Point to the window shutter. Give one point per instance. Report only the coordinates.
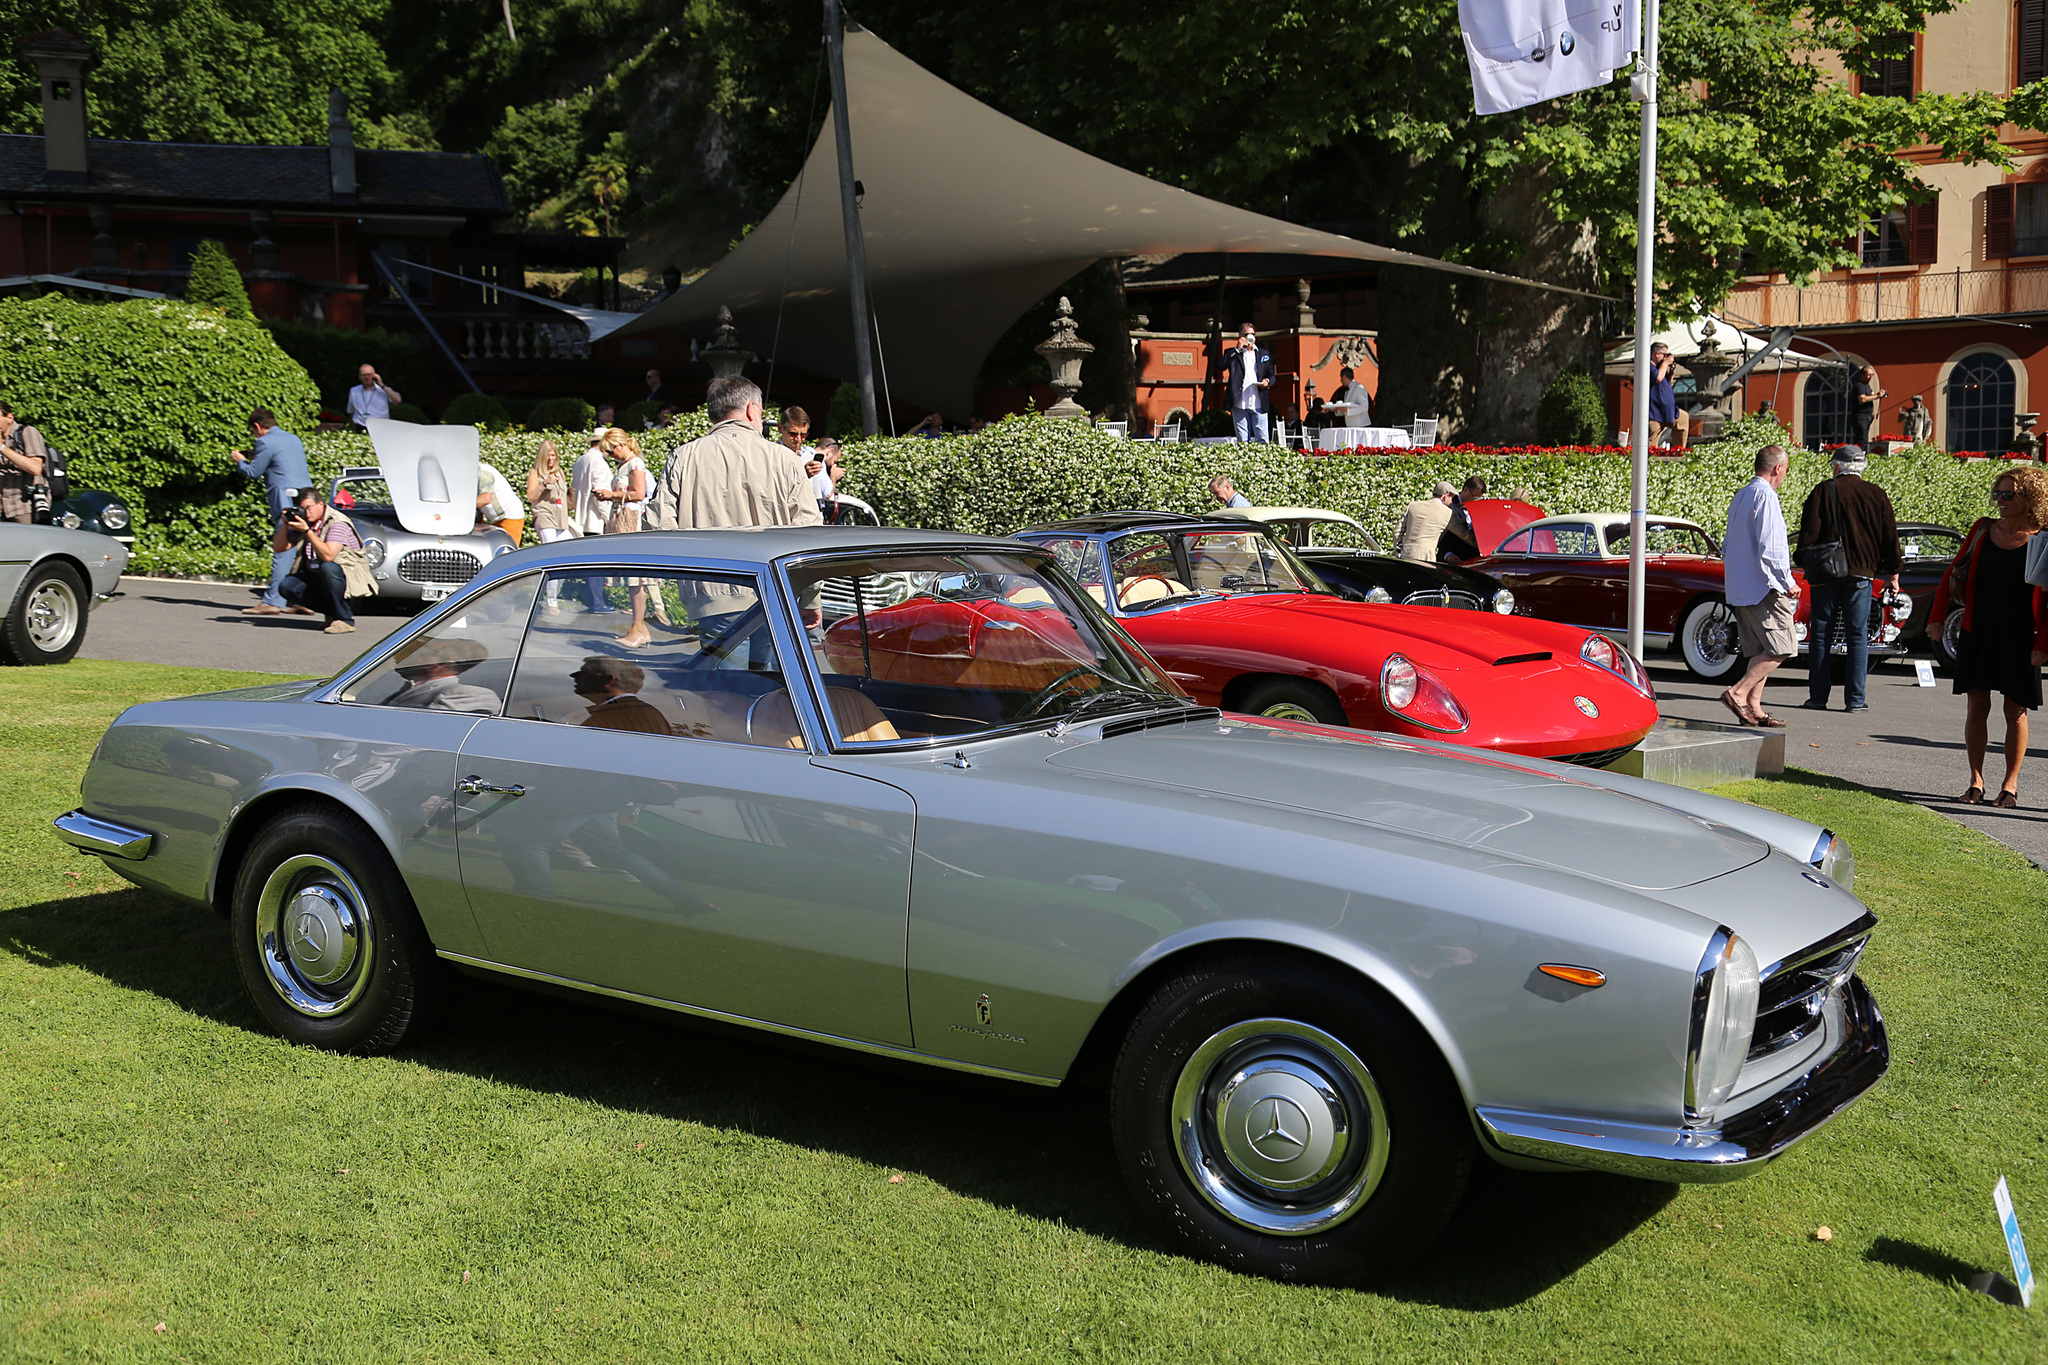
(1922, 220)
(2033, 53)
(1998, 222)
(1893, 76)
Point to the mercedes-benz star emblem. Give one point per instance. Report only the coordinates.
(1565, 43)
(1585, 705)
(307, 932)
(1277, 1129)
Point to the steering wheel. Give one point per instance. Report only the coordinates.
(1045, 693)
(1123, 592)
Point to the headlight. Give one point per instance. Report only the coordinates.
(1901, 607)
(1414, 694)
(1602, 652)
(1504, 602)
(1378, 594)
(114, 517)
(1833, 860)
(1723, 1020)
(373, 550)
(1799, 632)
(70, 521)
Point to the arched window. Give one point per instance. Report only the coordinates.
(1980, 402)
(1826, 415)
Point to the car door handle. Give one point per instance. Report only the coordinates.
(476, 786)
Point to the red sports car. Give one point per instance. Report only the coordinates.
(1241, 623)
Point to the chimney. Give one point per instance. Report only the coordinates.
(341, 147)
(61, 61)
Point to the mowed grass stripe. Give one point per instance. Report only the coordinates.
(619, 1188)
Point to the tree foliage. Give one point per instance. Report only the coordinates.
(1573, 412)
(208, 70)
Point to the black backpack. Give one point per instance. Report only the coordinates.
(56, 472)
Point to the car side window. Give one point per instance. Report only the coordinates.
(709, 669)
(1145, 569)
(1573, 538)
(1520, 543)
(1082, 561)
(463, 662)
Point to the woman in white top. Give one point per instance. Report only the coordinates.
(626, 499)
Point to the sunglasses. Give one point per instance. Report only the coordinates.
(2004, 494)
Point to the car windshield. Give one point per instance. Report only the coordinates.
(362, 495)
(1929, 543)
(1318, 533)
(1152, 569)
(954, 645)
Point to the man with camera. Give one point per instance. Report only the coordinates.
(371, 397)
(280, 462)
(316, 536)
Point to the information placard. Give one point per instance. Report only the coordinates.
(2009, 1224)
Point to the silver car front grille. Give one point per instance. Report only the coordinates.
(439, 566)
(1442, 597)
(1792, 995)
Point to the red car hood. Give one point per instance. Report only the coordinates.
(1431, 636)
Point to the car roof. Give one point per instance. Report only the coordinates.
(1605, 520)
(754, 545)
(1288, 514)
(1116, 523)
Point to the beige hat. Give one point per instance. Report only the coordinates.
(1442, 489)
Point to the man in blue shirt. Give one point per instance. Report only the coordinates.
(280, 462)
(1760, 585)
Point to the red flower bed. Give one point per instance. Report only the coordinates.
(1479, 450)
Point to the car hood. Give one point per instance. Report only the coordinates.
(1470, 639)
(1478, 801)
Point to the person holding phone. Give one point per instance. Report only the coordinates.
(371, 397)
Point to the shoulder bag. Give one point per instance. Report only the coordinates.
(2037, 559)
(1828, 561)
(355, 564)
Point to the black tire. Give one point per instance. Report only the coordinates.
(1706, 640)
(1293, 699)
(46, 622)
(355, 972)
(1362, 1205)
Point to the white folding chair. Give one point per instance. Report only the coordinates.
(1422, 431)
(1170, 432)
(1120, 429)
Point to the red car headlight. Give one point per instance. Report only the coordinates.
(1414, 694)
(1602, 652)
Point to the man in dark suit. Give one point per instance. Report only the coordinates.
(612, 687)
(1247, 379)
(1860, 516)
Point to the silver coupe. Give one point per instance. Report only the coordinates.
(918, 795)
(50, 579)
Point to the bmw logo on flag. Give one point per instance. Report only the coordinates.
(1565, 43)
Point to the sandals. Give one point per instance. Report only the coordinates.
(2007, 800)
(1741, 716)
(1766, 721)
(1973, 797)
(638, 639)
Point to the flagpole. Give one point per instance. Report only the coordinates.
(1646, 230)
(849, 212)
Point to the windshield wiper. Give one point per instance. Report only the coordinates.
(1115, 697)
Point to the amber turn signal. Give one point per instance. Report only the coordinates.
(1578, 976)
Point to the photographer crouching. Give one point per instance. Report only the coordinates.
(327, 547)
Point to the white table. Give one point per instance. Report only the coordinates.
(1214, 441)
(1343, 438)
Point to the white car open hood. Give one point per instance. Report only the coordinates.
(431, 472)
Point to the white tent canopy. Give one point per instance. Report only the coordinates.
(969, 218)
(1686, 336)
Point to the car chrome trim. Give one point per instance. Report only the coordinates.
(769, 1026)
(1745, 1142)
(90, 834)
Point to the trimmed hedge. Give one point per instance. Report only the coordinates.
(213, 282)
(332, 355)
(1027, 469)
(1571, 411)
(148, 397)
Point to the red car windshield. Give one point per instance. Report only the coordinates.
(1154, 568)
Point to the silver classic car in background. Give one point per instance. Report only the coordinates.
(411, 566)
(1319, 970)
(51, 578)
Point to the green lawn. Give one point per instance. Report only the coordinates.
(552, 1182)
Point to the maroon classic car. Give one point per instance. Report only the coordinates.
(1574, 569)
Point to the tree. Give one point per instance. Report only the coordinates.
(215, 282)
(604, 180)
(208, 70)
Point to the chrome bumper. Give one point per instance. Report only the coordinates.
(89, 834)
(1748, 1140)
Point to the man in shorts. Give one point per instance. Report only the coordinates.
(1761, 589)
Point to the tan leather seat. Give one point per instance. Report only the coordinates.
(771, 720)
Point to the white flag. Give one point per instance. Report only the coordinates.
(1523, 52)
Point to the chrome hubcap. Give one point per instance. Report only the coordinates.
(52, 615)
(1280, 1127)
(1952, 633)
(1288, 710)
(314, 937)
(1714, 637)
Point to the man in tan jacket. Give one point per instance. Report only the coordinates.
(732, 475)
(1423, 523)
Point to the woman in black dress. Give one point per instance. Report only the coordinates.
(2005, 625)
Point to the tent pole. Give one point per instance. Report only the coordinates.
(849, 212)
(1646, 228)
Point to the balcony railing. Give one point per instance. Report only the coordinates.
(1894, 298)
